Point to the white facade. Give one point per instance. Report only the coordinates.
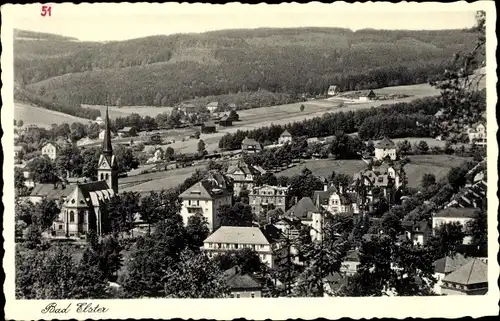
(206, 207)
(50, 150)
(381, 153)
(477, 135)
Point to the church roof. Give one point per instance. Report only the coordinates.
(107, 148)
(89, 194)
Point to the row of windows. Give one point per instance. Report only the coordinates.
(234, 246)
(102, 176)
(238, 295)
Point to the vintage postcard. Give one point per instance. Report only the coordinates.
(249, 161)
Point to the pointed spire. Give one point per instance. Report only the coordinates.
(107, 149)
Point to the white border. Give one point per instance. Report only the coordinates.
(260, 309)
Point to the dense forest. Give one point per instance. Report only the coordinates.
(165, 70)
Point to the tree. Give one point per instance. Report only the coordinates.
(422, 147)
(43, 170)
(404, 147)
(125, 159)
(69, 160)
(446, 239)
(302, 107)
(151, 256)
(120, 212)
(106, 255)
(195, 276)
(56, 276)
(370, 147)
(428, 180)
(45, 212)
(266, 179)
(201, 147)
(78, 131)
(386, 267)
(340, 179)
(478, 229)
(457, 177)
(197, 134)
(237, 215)
(169, 153)
(158, 206)
(20, 123)
(196, 231)
(233, 115)
(246, 259)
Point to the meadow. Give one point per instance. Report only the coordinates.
(41, 117)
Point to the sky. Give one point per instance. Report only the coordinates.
(92, 23)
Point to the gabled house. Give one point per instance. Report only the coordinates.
(308, 214)
(285, 137)
(242, 285)
(128, 131)
(205, 198)
(250, 146)
(225, 121)
(385, 148)
(477, 134)
(334, 200)
(417, 232)
(208, 127)
(243, 176)
(51, 149)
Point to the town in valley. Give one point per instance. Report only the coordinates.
(302, 162)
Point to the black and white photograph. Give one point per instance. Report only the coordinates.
(232, 152)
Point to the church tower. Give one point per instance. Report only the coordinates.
(106, 168)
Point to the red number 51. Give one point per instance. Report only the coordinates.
(46, 10)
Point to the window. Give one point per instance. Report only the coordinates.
(197, 203)
(253, 295)
(189, 202)
(235, 246)
(71, 217)
(238, 295)
(261, 246)
(232, 296)
(107, 176)
(60, 227)
(102, 176)
(218, 245)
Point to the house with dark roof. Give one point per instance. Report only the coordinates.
(385, 148)
(285, 137)
(417, 232)
(187, 108)
(243, 175)
(127, 131)
(367, 95)
(242, 285)
(51, 150)
(205, 197)
(445, 266)
(335, 200)
(469, 279)
(334, 283)
(266, 241)
(208, 127)
(225, 121)
(455, 214)
(308, 214)
(56, 192)
(250, 145)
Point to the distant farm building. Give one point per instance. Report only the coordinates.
(285, 137)
(367, 96)
(208, 127)
(188, 108)
(333, 90)
(249, 145)
(226, 121)
(127, 131)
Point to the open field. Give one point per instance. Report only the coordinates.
(439, 165)
(42, 117)
(156, 181)
(325, 167)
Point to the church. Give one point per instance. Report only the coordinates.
(81, 207)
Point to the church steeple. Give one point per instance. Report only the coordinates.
(107, 148)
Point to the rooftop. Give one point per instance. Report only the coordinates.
(385, 143)
(449, 264)
(238, 235)
(473, 272)
(303, 209)
(462, 212)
